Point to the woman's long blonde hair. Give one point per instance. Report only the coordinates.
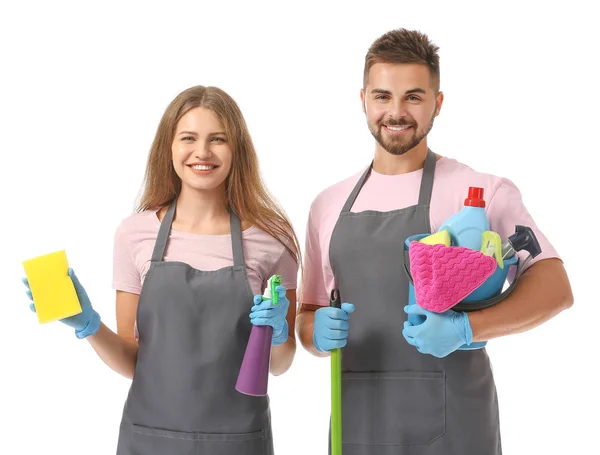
(246, 194)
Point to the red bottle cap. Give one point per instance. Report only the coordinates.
(475, 198)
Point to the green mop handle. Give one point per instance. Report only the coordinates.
(336, 387)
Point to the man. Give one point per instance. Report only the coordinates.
(409, 389)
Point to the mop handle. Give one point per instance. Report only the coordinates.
(336, 387)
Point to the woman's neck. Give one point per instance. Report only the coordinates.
(201, 212)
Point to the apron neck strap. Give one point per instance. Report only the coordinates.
(427, 179)
(424, 192)
(361, 181)
(165, 228)
(236, 240)
(163, 233)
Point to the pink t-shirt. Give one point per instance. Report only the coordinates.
(136, 235)
(504, 208)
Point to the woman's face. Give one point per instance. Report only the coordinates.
(202, 154)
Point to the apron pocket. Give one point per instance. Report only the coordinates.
(232, 443)
(393, 408)
(152, 441)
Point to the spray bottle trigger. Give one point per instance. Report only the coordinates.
(270, 292)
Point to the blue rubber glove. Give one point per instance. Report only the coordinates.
(85, 323)
(330, 328)
(265, 313)
(440, 334)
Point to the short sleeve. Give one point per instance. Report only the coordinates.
(313, 290)
(287, 267)
(506, 210)
(126, 277)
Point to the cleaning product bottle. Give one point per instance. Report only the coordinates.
(467, 226)
(253, 377)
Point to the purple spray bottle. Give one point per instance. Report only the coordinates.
(253, 377)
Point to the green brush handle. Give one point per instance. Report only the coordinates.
(336, 388)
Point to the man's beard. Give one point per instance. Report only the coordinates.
(400, 145)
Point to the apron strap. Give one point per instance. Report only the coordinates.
(163, 233)
(350, 201)
(165, 228)
(427, 179)
(424, 192)
(236, 240)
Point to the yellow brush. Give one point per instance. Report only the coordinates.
(51, 287)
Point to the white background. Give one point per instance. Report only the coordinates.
(83, 86)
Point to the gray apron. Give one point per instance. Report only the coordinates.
(396, 400)
(194, 326)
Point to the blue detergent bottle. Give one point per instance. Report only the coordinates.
(466, 229)
(467, 226)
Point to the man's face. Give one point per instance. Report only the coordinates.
(400, 105)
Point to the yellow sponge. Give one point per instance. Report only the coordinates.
(438, 238)
(51, 287)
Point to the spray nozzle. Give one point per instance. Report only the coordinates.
(525, 239)
(270, 290)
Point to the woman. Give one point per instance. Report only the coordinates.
(185, 272)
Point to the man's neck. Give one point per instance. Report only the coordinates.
(388, 164)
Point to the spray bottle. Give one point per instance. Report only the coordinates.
(253, 377)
